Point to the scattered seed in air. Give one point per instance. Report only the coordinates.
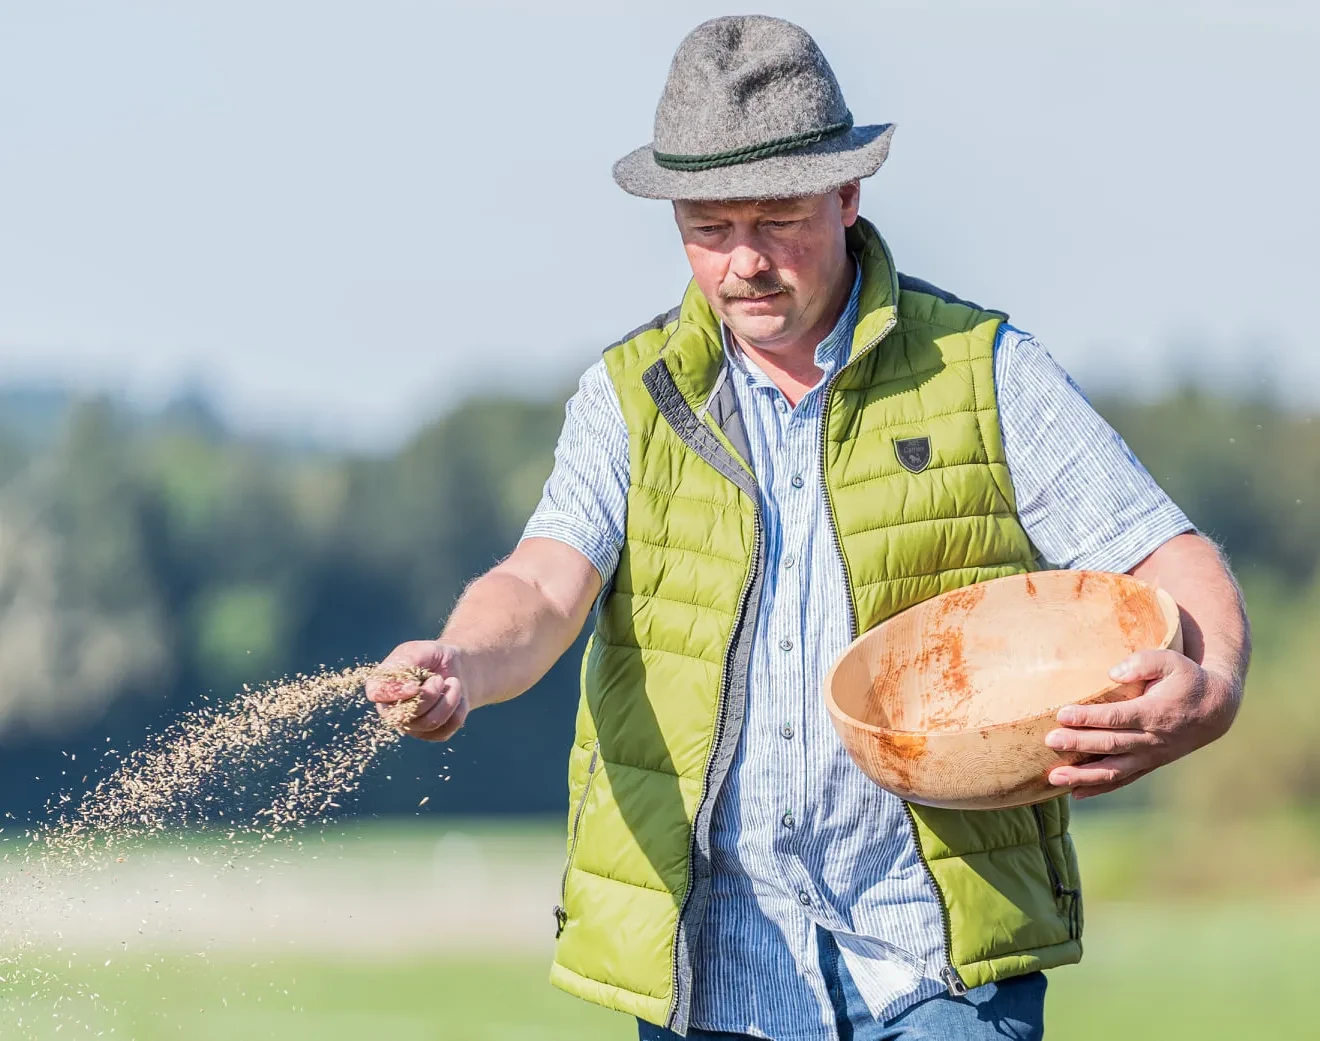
(236, 753)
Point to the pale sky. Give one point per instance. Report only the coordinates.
(337, 218)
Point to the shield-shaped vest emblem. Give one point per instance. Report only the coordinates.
(913, 453)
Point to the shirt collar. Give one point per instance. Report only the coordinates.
(831, 352)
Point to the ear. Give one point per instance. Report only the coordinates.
(849, 201)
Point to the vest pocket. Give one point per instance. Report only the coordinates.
(561, 915)
(1070, 900)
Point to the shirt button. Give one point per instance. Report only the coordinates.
(804, 898)
(786, 731)
(790, 560)
(785, 644)
(797, 481)
(781, 404)
(787, 819)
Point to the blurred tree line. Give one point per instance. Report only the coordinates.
(146, 560)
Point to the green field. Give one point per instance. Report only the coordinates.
(1229, 967)
(1205, 974)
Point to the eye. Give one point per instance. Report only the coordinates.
(779, 223)
(707, 229)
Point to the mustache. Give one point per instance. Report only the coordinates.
(748, 289)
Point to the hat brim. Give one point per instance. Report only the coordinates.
(814, 170)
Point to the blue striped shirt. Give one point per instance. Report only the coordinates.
(801, 839)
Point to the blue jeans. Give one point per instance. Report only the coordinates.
(1011, 1010)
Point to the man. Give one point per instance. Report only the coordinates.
(807, 445)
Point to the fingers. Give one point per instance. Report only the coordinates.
(1112, 770)
(385, 691)
(1129, 738)
(419, 681)
(1100, 741)
(1118, 715)
(407, 707)
(1100, 789)
(417, 656)
(1147, 665)
(1136, 713)
(442, 710)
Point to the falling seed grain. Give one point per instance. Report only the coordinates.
(232, 752)
(162, 784)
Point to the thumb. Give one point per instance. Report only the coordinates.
(430, 656)
(1146, 665)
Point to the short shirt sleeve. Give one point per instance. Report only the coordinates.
(1082, 496)
(584, 503)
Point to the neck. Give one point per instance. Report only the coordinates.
(792, 367)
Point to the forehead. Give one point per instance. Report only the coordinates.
(743, 209)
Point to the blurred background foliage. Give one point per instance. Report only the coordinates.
(148, 559)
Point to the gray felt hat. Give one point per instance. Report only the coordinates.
(751, 110)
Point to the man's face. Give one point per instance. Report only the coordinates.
(770, 269)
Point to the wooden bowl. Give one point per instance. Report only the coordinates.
(949, 702)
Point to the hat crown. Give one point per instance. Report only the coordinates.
(741, 81)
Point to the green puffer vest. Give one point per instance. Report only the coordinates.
(664, 676)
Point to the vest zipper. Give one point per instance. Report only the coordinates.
(824, 486)
(561, 916)
(694, 433)
(949, 973)
(1061, 891)
(720, 721)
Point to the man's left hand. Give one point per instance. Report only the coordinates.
(1183, 707)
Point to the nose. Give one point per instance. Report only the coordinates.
(746, 261)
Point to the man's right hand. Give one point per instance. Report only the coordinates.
(442, 703)
(505, 632)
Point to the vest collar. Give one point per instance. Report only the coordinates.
(694, 354)
(878, 307)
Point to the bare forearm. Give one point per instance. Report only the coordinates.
(515, 621)
(1216, 634)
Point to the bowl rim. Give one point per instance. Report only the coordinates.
(1168, 607)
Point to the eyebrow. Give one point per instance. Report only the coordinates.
(785, 209)
(697, 213)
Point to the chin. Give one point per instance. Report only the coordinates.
(758, 328)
